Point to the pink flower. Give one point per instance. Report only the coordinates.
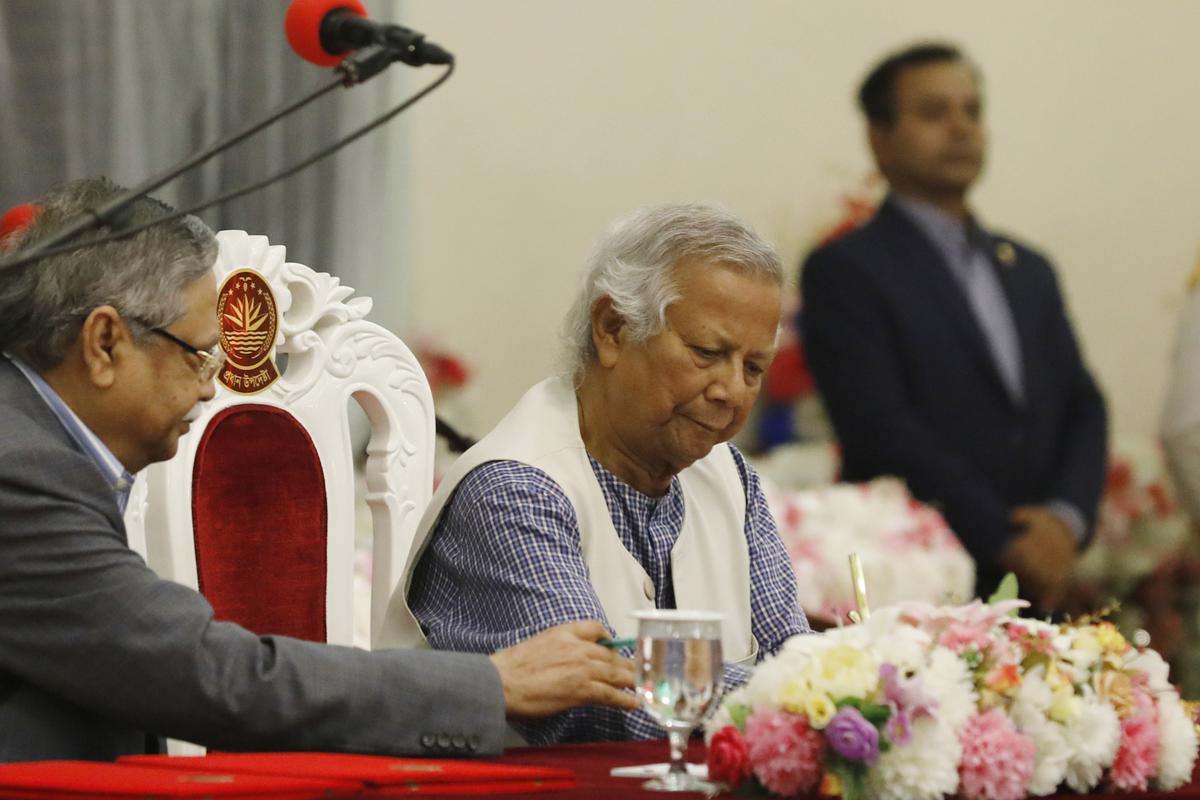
(962, 626)
(906, 694)
(997, 759)
(785, 753)
(898, 728)
(1138, 753)
(958, 636)
(728, 757)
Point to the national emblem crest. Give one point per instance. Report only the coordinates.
(248, 321)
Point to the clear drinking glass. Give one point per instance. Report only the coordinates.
(679, 676)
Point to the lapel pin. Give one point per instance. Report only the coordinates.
(1007, 254)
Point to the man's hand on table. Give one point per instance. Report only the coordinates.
(563, 667)
(1042, 554)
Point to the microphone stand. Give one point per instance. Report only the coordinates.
(351, 72)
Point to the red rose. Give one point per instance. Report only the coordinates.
(728, 758)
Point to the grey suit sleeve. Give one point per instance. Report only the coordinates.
(83, 618)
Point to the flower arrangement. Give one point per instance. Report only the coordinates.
(923, 702)
(907, 550)
(1139, 524)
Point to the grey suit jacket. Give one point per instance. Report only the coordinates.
(99, 656)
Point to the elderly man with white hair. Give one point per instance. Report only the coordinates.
(611, 488)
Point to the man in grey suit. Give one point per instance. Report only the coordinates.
(107, 350)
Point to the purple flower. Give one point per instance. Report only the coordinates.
(851, 736)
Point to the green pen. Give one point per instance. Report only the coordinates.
(617, 644)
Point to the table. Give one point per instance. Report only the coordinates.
(592, 762)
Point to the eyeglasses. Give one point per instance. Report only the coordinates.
(211, 361)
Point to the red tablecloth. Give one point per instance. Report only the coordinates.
(592, 762)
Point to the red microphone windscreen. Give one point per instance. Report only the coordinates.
(18, 218)
(303, 27)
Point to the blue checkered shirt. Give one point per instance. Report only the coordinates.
(505, 562)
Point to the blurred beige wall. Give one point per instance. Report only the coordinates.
(563, 115)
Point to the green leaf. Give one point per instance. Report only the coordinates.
(875, 713)
(1007, 590)
(852, 776)
(738, 714)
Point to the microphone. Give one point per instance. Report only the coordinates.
(313, 40)
(324, 31)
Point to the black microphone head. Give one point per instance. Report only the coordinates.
(433, 54)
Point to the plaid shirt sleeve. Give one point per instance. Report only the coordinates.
(505, 562)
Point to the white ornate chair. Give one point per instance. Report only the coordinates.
(257, 508)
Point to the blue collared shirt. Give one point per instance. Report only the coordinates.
(506, 562)
(964, 246)
(114, 472)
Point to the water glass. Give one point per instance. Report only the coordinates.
(679, 676)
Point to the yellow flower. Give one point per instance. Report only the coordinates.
(1086, 642)
(1065, 706)
(793, 695)
(819, 709)
(1117, 688)
(831, 785)
(1054, 677)
(1110, 638)
(843, 671)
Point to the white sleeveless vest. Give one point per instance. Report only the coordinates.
(710, 562)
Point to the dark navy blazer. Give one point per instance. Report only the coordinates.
(913, 390)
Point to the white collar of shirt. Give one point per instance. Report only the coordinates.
(110, 467)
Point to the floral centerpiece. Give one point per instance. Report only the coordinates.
(908, 551)
(923, 702)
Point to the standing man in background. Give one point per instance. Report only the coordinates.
(944, 352)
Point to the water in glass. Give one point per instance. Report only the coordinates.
(679, 678)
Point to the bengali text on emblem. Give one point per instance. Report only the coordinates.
(247, 317)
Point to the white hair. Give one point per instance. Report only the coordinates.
(634, 264)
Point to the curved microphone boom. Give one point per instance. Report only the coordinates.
(305, 26)
(326, 31)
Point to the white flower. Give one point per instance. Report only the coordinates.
(1177, 743)
(1151, 663)
(904, 645)
(1037, 626)
(1084, 652)
(1092, 738)
(907, 551)
(1028, 712)
(768, 679)
(949, 680)
(1034, 697)
(1051, 760)
(842, 671)
(925, 769)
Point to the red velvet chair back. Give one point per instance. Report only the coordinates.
(260, 507)
(260, 522)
